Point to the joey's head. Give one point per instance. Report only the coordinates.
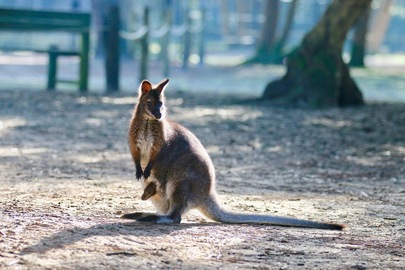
(151, 99)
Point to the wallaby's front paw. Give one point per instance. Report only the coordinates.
(146, 173)
(138, 169)
(138, 174)
(148, 170)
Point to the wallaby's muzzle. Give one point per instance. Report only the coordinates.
(157, 115)
(156, 112)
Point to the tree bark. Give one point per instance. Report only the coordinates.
(316, 74)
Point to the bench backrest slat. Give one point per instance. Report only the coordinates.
(35, 20)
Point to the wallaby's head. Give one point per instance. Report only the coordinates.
(151, 99)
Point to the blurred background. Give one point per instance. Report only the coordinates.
(201, 45)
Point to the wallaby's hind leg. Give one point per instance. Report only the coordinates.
(177, 206)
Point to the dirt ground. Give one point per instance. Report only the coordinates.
(66, 176)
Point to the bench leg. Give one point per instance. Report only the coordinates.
(84, 63)
(52, 67)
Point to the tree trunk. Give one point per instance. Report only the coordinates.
(268, 34)
(316, 74)
(269, 28)
(111, 47)
(97, 15)
(277, 54)
(379, 26)
(359, 41)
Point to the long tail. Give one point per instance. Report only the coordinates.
(215, 212)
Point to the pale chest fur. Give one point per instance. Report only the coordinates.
(144, 142)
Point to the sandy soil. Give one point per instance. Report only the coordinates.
(66, 176)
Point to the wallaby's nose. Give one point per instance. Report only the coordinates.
(157, 115)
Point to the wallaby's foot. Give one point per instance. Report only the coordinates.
(135, 215)
(152, 218)
(160, 219)
(149, 191)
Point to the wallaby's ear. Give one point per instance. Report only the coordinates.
(162, 85)
(145, 86)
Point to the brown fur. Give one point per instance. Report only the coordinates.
(145, 121)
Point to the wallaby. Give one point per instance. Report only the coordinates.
(178, 174)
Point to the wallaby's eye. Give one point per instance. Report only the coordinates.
(148, 103)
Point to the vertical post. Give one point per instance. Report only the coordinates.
(165, 46)
(145, 47)
(84, 62)
(52, 66)
(112, 54)
(75, 4)
(187, 41)
(201, 49)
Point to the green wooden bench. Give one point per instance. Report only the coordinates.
(45, 21)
